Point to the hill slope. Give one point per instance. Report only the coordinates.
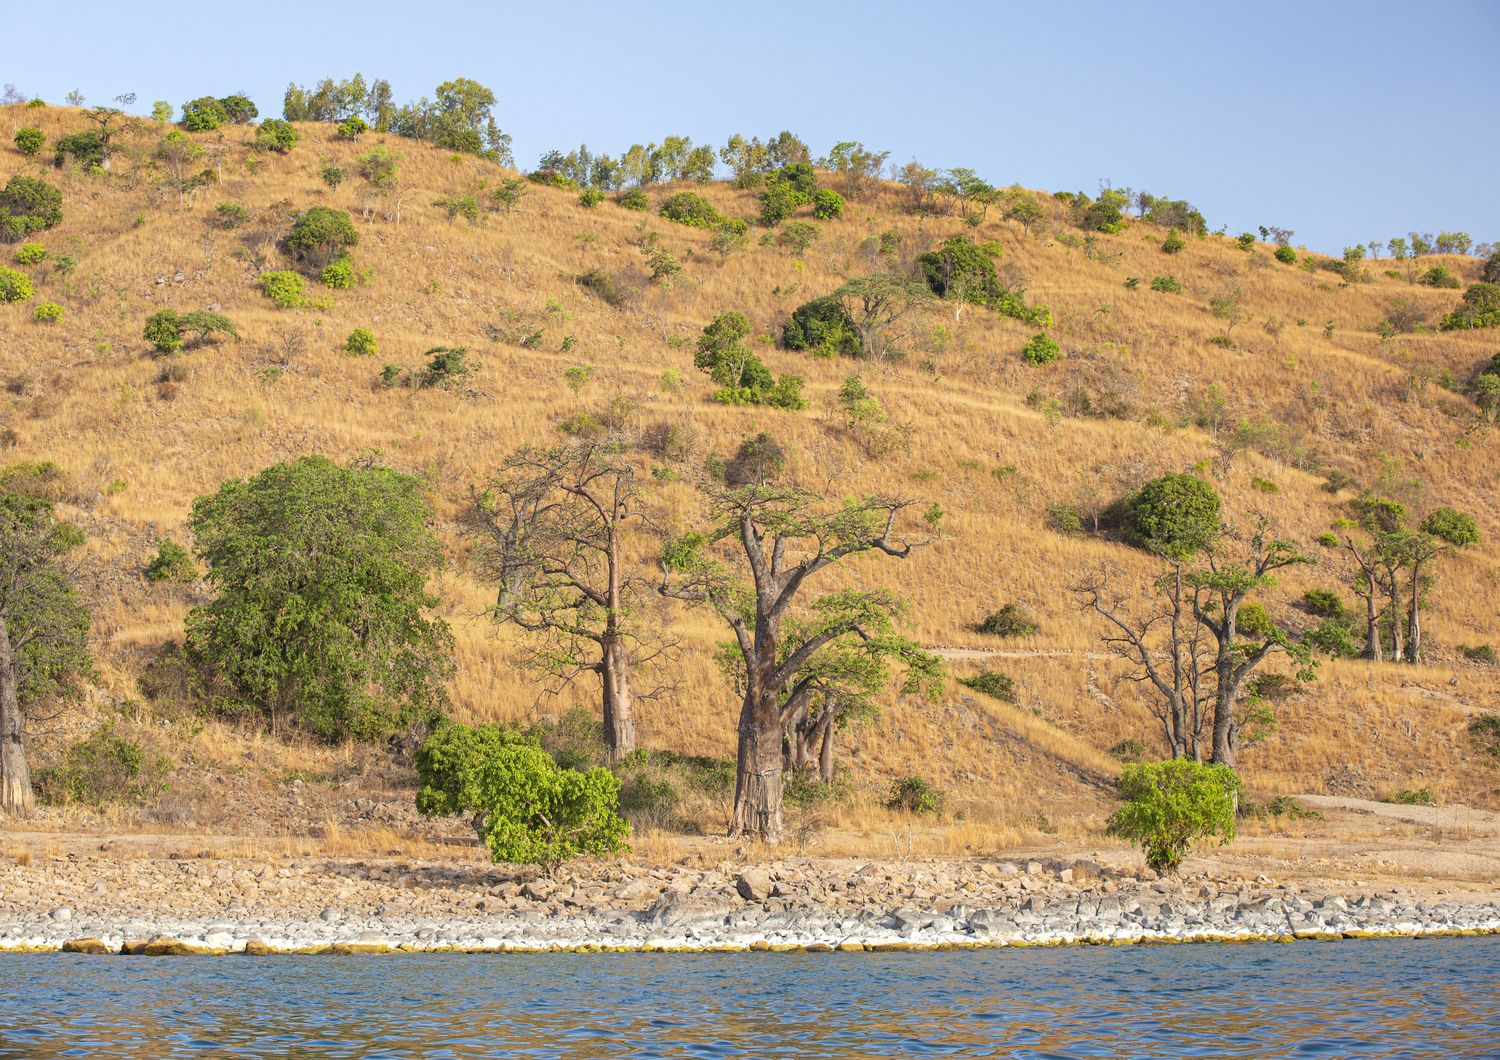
(993, 439)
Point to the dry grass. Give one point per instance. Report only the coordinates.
(84, 394)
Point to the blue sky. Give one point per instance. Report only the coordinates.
(1345, 121)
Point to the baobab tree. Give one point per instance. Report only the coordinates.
(783, 536)
(553, 526)
(43, 629)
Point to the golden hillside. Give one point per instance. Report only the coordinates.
(993, 439)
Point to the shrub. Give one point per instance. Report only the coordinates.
(87, 149)
(1064, 518)
(1177, 515)
(799, 235)
(780, 201)
(1286, 255)
(690, 208)
(1173, 243)
(589, 198)
(1325, 603)
(276, 135)
(15, 286)
(742, 377)
(47, 313)
(446, 367)
(1170, 804)
(28, 205)
(29, 141)
(1012, 620)
(915, 795)
(1041, 349)
(1411, 797)
(204, 114)
(106, 767)
(1439, 276)
(1480, 308)
(1480, 653)
(361, 343)
(647, 801)
(239, 110)
(340, 274)
(828, 205)
(230, 214)
(824, 327)
(757, 461)
(1484, 734)
(456, 206)
(634, 199)
(1246, 241)
(320, 235)
(606, 285)
(172, 563)
(332, 175)
(163, 332)
(352, 127)
(527, 809)
(1129, 750)
(1166, 285)
(284, 288)
(992, 683)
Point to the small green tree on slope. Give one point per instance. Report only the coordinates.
(1170, 804)
(528, 810)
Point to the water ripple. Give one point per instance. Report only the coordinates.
(1374, 998)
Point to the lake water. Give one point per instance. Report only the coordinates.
(1387, 998)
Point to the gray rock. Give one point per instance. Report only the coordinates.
(754, 885)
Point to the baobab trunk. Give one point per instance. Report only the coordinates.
(15, 777)
(825, 754)
(757, 782)
(1414, 631)
(1373, 650)
(619, 707)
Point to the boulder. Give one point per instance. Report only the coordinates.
(754, 885)
(85, 946)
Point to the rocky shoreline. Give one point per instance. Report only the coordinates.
(204, 905)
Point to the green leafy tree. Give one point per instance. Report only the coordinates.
(784, 537)
(743, 377)
(1170, 804)
(168, 331)
(29, 141)
(43, 624)
(828, 205)
(321, 234)
(277, 135)
(527, 809)
(1175, 515)
(204, 114)
(320, 617)
(28, 205)
(875, 304)
(824, 327)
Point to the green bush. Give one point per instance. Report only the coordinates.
(1440, 276)
(1041, 349)
(456, 206)
(527, 810)
(87, 149)
(1129, 750)
(634, 199)
(230, 214)
(29, 141)
(320, 235)
(162, 331)
(742, 377)
(172, 563)
(1480, 653)
(828, 205)
(1173, 243)
(239, 110)
(1286, 255)
(276, 135)
(1064, 518)
(799, 235)
(1480, 308)
(47, 313)
(1411, 797)
(824, 327)
(447, 366)
(332, 175)
(28, 205)
(780, 201)
(1170, 804)
(993, 683)
(1176, 514)
(352, 127)
(1012, 620)
(915, 795)
(340, 275)
(361, 343)
(690, 208)
(589, 198)
(1246, 241)
(284, 288)
(31, 254)
(167, 331)
(204, 114)
(1325, 603)
(106, 767)
(1166, 285)
(15, 286)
